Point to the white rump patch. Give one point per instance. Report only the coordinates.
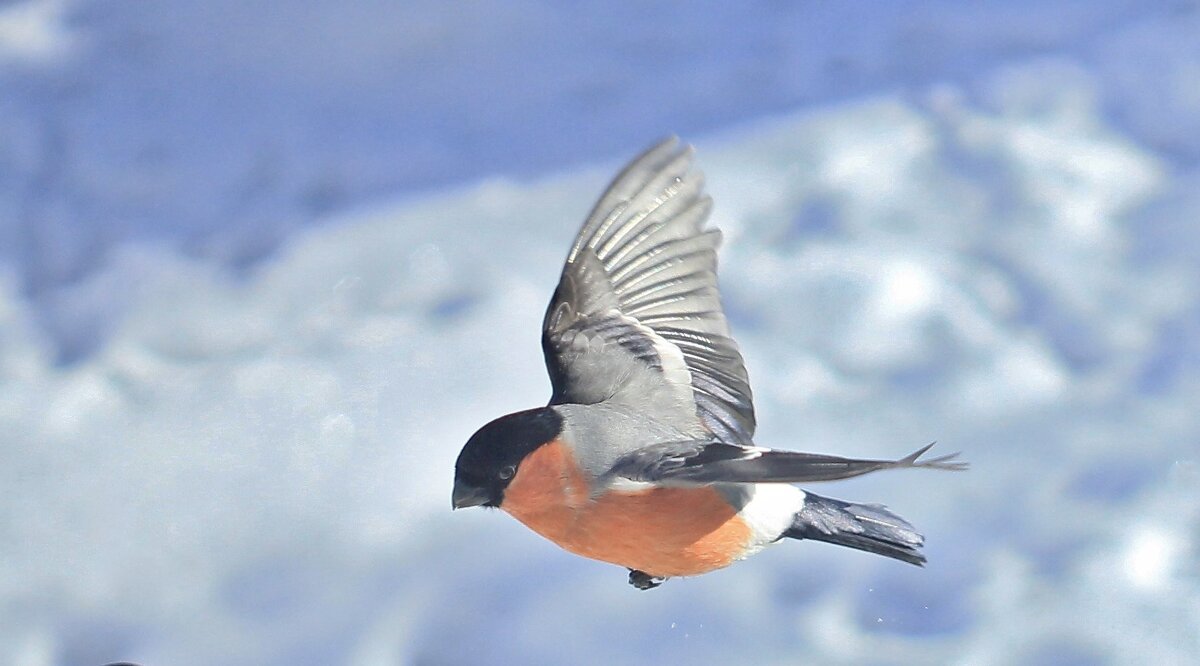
(769, 512)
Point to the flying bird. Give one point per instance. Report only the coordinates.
(645, 455)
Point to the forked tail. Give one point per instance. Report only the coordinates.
(868, 527)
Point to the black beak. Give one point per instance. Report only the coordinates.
(466, 495)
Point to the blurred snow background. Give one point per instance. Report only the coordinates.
(264, 267)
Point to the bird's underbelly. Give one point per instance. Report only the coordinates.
(661, 531)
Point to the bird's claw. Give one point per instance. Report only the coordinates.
(644, 581)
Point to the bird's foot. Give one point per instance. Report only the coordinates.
(644, 581)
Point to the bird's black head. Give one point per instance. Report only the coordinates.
(491, 457)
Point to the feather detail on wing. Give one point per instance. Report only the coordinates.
(701, 462)
(637, 310)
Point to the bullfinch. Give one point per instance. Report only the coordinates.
(645, 455)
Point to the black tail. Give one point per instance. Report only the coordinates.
(869, 527)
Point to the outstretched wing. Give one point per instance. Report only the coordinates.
(637, 317)
(701, 462)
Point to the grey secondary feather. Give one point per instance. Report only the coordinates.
(637, 317)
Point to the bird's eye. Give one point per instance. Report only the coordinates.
(507, 471)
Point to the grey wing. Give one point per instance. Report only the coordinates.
(704, 462)
(637, 316)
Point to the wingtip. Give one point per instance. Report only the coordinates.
(911, 459)
(671, 140)
(672, 148)
(947, 462)
(669, 154)
(668, 145)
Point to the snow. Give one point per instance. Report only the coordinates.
(239, 350)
